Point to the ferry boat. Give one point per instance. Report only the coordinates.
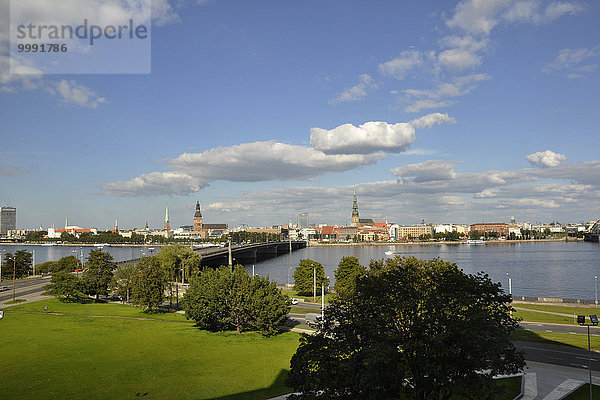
(473, 241)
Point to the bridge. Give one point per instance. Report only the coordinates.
(247, 253)
(593, 234)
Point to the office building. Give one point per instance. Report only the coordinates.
(8, 220)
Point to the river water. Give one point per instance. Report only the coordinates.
(545, 269)
(548, 269)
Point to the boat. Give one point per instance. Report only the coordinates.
(473, 241)
(389, 253)
(101, 245)
(48, 244)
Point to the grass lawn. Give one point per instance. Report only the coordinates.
(566, 309)
(75, 357)
(532, 316)
(567, 339)
(90, 308)
(583, 393)
(303, 310)
(291, 293)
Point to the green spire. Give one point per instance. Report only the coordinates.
(167, 214)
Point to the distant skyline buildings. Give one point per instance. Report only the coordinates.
(437, 110)
(8, 219)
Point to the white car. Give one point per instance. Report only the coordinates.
(4, 288)
(294, 302)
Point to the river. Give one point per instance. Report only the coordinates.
(547, 269)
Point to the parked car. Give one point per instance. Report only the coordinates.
(294, 302)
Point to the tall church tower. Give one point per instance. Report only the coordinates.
(354, 211)
(197, 218)
(167, 222)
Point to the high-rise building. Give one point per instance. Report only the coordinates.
(198, 218)
(8, 220)
(167, 222)
(303, 220)
(355, 219)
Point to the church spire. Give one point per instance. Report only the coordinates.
(167, 222)
(354, 210)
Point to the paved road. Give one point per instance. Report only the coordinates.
(559, 355)
(559, 328)
(25, 287)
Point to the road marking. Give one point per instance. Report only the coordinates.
(565, 387)
(573, 333)
(530, 387)
(578, 365)
(550, 350)
(585, 358)
(548, 330)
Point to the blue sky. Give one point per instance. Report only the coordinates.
(459, 112)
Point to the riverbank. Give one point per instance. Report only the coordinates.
(97, 245)
(432, 243)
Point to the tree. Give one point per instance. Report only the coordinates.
(122, 280)
(222, 299)
(19, 264)
(149, 283)
(414, 328)
(346, 273)
(304, 277)
(64, 284)
(98, 273)
(67, 264)
(178, 262)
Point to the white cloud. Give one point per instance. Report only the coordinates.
(400, 66)
(247, 162)
(573, 61)
(154, 184)
(480, 17)
(546, 159)
(75, 93)
(357, 92)
(439, 97)
(366, 138)
(426, 171)
(461, 52)
(431, 120)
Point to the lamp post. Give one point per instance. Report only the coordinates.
(510, 291)
(594, 322)
(1, 264)
(596, 288)
(14, 274)
(314, 285)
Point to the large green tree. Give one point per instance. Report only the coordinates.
(348, 270)
(179, 263)
(18, 264)
(98, 273)
(66, 285)
(304, 278)
(149, 284)
(122, 280)
(414, 328)
(222, 299)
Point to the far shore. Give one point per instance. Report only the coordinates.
(313, 243)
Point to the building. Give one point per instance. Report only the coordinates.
(8, 220)
(303, 220)
(413, 231)
(167, 221)
(198, 218)
(499, 228)
(355, 220)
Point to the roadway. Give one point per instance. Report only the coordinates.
(24, 288)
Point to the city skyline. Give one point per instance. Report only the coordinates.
(466, 111)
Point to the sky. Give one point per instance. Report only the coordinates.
(448, 112)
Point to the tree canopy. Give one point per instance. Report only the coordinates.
(98, 273)
(66, 285)
(304, 278)
(222, 299)
(22, 264)
(415, 328)
(149, 283)
(348, 270)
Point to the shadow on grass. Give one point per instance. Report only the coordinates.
(277, 388)
(530, 336)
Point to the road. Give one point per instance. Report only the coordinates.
(559, 355)
(26, 287)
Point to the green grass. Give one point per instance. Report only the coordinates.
(303, 310)
(73, 357)
(583, 393)
(532, 316)
(291, 293)
(90, 308)
(567, 339)
(15, 301)
(563, 309)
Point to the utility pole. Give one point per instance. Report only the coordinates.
(14, 274)
(230, 258)
(33, 262)
(314, 285)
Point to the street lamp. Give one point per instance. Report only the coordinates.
(594, 322)
(1, 264)
(596, 287)
(510, 291)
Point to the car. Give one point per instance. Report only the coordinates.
(4, 288)
(313, 319)
(294, 302)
